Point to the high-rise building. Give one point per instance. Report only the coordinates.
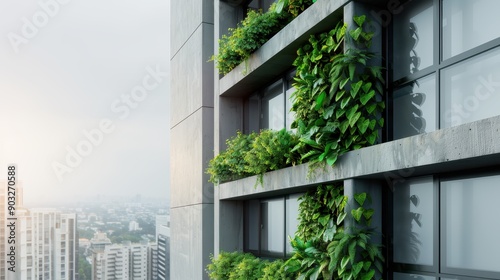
(433, 174)
(120, 261)
(163, 245)
(44, 241)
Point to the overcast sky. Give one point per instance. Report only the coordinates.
(84, 97)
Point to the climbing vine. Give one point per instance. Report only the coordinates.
(338, 98)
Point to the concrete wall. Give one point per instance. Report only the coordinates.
(192, 131)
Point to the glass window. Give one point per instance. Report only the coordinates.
(414, 108)
(471, 90)
(292, 222)
(469, 84)
(272, 225)
(414, 221)
(268, 223)
(290, 116)
(273, 107)
(468, 24)
(471, 227)
(413, 48)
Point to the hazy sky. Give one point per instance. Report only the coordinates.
(84, 97)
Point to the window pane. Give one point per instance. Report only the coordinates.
(292, 222)
(470, 90)
(414, 221)
(471, 225)
(404, 276)
(413, 38)
(252, 224)
(273, 107)
(414, 108)
(273, 226)
(468, 24)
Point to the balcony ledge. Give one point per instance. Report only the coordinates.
(446, 150)
(277, 55)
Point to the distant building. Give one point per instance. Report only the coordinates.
(133, 226)
(45, 242)
(163, 245)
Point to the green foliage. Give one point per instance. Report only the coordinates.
(245, 266)
(221, 267)
(338, 101)
(230, 164)
(250, 34)
(271, 150)
(324, 248)
(254, 154)
(294, 7)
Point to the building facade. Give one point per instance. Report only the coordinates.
(433, 176)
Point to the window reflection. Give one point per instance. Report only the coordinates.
(413, 39)
(414, 221)
(414, 108)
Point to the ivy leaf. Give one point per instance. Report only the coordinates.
(344, 102)
(359, 20)
(344, 125)
(366, 97)
(323, 220)
(372, 137)
(341, 217)
(355, 88)
(368, 215)
(355, 33)
(356, 269)
(357, 213)
(339, 113)
(360, 198)
(367, 87)
(369, 275)
(352, 251)
(354, 119)
(328, 112)
(344, 262)
(339, 95)
(363, 125)
(343, 83)
(371, 107)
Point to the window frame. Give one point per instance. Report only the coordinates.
(438, 269)
(247, 227)
(439, 64)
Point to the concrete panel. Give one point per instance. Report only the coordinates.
(474, 144)
(191, 241)
(192, 76)
(192, 147)
(186, 17)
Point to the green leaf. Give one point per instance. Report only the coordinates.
(366, 97)
(344, 102)
(329, 233)
(359, 20)
(368, 214)
(360, 198)
(320, 100)
(355, 88)
(354, 119)
(352, 70)
(371, 107)
(323, 220)
(368, 275)
(363, 125)
(355, 33)
(343, 83)
(315, 274)
(340, 218)
(344, 262)
(344, 126)
(356, 269)
(332, 159)
(352, 251)
(372, 137)
(367, 87)
(339, 95)
(357, 213)
(339, 113)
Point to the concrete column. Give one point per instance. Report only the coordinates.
(192, 138)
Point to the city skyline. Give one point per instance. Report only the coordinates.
(85, 108)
